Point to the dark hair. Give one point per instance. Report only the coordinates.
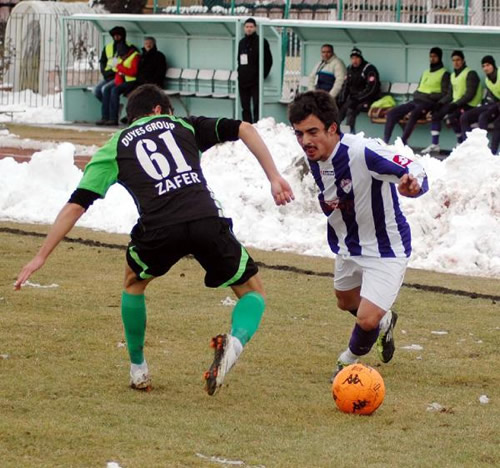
(318, 103)
(458, 53)
(144, 99)
(251, 20)
(329, 46)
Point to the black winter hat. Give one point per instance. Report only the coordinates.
(458, 53)
(488, 59)
(251, 20)
(355, 52)
(437, 51)
(118, 30)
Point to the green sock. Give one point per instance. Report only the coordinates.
(246, 316)
(134, 323)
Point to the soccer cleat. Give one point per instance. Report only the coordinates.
(385, 341)
(432, 148)
(340, 366)
(227, 349)
(139, 377)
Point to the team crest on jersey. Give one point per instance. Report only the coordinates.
(401, 160)
(346, 185)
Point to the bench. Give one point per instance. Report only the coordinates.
(402, 93)
(11, 113)
(201, 83)
(296, 87)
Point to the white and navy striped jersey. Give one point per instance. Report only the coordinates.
(359, 196)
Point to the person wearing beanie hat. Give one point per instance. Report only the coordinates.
(489, 59)
(248, 70)
(431, 93)
(488, 110)
(109, 59)
(465, 93)
(355, 52)
(361, 88)
(329, 73)
(437, 51)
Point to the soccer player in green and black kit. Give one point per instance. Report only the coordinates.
(157, 160)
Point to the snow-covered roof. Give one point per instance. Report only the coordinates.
(59, 8)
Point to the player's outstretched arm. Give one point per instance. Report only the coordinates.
(65, 220)
(280, 189)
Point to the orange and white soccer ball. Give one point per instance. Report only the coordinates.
(358, 389)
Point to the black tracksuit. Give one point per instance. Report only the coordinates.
(248, 74)
(361, 88)
(152, 68)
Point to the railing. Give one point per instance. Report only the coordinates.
(30, 58)
(30, 48)
(30, 65)
(473, 12)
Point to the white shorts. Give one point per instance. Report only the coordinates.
(380, 278)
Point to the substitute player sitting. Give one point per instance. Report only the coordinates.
(157, 160)
(358, 179)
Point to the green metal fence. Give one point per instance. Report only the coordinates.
(463, 12)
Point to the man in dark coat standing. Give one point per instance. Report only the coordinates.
(109, 60)
(361, 88)
(152, 65)
(248, 70)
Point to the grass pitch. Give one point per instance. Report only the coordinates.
(65, 401)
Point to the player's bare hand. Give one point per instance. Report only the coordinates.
(282, 192)
(409, 186)
(27, 271)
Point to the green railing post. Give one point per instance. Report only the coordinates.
(466, 12)
(284, 48)
(232, 7)
(287, 9)
(341, 10)
(178, 11)
(398, 11)
(155, 6)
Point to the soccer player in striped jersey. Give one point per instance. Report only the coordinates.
(358, 179)
(157, 160)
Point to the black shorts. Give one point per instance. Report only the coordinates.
(210, 240)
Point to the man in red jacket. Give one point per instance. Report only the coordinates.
(127, 67)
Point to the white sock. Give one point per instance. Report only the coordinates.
(385, 321)
(348, 357)
(237, 346)
(139, 367)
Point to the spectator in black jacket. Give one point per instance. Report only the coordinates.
(465, 93)
(361, 88)
(488, 110)
(248, 70)
(152, 64)
(431, 93)
(109, 60)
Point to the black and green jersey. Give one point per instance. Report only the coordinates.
(157, 160)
